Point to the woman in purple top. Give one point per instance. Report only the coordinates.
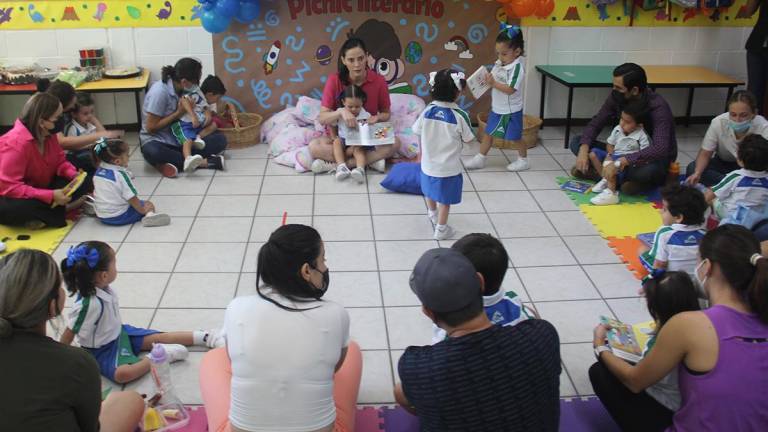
(721, 352)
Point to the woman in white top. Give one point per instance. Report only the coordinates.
(288, 364)
(717, 156)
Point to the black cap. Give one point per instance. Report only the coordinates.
(444, 280)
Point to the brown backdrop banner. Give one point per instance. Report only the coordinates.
(293, 46)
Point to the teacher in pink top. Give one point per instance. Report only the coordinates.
(353, 69)
(33, 168)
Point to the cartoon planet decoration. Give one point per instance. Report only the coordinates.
(413, 52)
(133, 12)
(323, 55)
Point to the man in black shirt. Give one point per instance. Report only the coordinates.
(482, 377)
(757, 51)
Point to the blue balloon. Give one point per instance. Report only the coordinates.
(227, 8)
(212, 22)
(249, 11)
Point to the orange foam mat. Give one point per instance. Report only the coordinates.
(627, 248)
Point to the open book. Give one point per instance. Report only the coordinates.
(73, 185)
(628, 341)
(371, 135)
(477, 83)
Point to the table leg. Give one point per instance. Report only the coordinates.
(543, 98)
(728, 98)
(568, 118)
(138, 108)
(689, 107)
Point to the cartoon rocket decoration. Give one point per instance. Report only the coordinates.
(271, 58)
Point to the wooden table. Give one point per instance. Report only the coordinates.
(690, 77)
(133, 85)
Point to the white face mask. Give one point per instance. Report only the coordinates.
(701, 281)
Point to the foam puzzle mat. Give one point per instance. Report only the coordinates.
(46, 239)
(583, 199)
(627, 249)
(623, 220)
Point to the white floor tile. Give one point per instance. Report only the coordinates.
(137, 317)
(397, 204)
(522, 225)
(630, 310)
(147, 185)
(613, 280)
(571, 223)
(237, 167)
(140, 290)
(578, 358)
(396, 289)
(247, 285)
(366, 327)
(188, 319)
(542, 162)
(282, 170)
(470, 203)
(185, 376)
(251, 257)
(211, 257)
(263, 226)
(401, 255)
(591, 250)
(287, 185)
(177, 205)
(257, 151)
(277, 205)
(566, 386)
(176, 232)
(148, 257)
(139, 168)
(355, 289)
(374, 183)
(553, 200)
(508, 201)
(464, 224)
(350, 256)
(408, 326)
(90, 228)
(492, 163)
(557, 283)
(376, 384)
(220, 230)
(184, 185)
(222, 205)
(496, 181)
(236, 185)
(405, 227)
(565, 160)
(200, 290)
(541, 179)
(344, 228)
(395, 355)
(342, 204)
(327, 184)
(529, 252)
(574, 320)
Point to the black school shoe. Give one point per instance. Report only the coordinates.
(216, 162)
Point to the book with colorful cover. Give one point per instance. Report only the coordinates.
(647, 238)
(576, 186)
(371, 135)
(477, 82)
(628, 341)
(73, 185)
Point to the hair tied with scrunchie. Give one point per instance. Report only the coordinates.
(101, 144)
(755, 258)
(80, 253)
(511, 30)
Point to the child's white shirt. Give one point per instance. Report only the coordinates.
(200, 106)
(678, 246)
(95, 320)
(741, 187)
(344, 129)
(512, 74)
(624, 144)
(443, 127)
(75, 129)
(112, 188)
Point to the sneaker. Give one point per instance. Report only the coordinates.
(214, 338)
(320, 166)
(379, 165)
(191, 163)
(198, 143)
(358, 174)
(443, 234)
(600, 186)
(342, 172)
(432, 217)
(606, 197)
(519, 165)
(477, 162)
(89, 207)
(216, 162)
(168, 170)
(153, 219)
(175, 352)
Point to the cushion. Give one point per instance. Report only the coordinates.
(404, 177)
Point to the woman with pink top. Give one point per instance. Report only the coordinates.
(721, 353)
(34, 169)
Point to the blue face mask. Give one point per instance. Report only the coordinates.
(193, 89)
(740, 127)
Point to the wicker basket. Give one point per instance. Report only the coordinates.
(247, 134)
(531, 126)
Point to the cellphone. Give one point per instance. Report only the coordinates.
(22, 237)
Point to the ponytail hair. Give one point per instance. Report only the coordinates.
(281, 259)
(61, 89)
(168, 72)
(737, 252)
(81, 264)
(108, 150)
(349, 44)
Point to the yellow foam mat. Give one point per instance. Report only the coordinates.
(623, 220)
(46, 239)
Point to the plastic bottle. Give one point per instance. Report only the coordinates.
(673, 174)
(161, 373)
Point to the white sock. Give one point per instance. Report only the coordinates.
(431, 213)
(480, 155)
(521, 158)
(199, 337)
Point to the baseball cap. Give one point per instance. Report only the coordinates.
(444, 280)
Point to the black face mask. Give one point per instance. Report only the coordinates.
(58, 125)
(326, 281)
(619, 98)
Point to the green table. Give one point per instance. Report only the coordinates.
(690, 77)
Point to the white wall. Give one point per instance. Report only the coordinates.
(148, 47)
(717, 48)
(721, 49)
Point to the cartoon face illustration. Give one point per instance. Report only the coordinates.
(384, 49)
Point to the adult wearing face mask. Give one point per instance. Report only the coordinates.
(162, 107)
(33, 169)
(721, 353)
(288, 364)
(717, 156)
(647, 168)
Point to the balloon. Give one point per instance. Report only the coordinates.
(249, 11)
(521, 8)
(545, 8)
(212, 22)
(227, 8)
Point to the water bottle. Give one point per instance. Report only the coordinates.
(161, 373)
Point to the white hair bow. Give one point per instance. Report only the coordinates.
(455, 76)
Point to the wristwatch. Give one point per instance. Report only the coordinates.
(600, 349)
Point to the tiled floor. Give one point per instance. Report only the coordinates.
(181, 277)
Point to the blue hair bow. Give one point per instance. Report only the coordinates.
(512, 30)
(101, 144)
(79, 253)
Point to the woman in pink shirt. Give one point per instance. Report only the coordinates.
(353, 69)
(33, 168)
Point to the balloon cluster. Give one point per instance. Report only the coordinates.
(526, 8)
(217, 14)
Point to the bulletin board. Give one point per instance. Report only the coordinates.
(616, 13)
(293, 47)
(64, 14)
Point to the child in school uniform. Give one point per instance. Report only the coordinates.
(96, 325)
(443, 127)
(222, 112)
(194, 125)
(748, 186)
(507, 81)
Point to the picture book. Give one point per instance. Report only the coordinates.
(576, 186)
(628, 341)
(477, 83)
(647, 238)
(73, 185)
(371, 135)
